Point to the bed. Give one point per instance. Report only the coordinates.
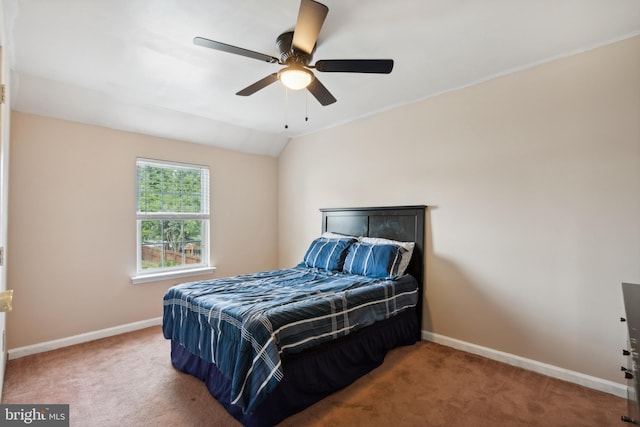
(270, 344)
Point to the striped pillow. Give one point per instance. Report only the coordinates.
(406, 255)
(374, 260)
(327, 254)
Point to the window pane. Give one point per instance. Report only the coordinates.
(166, 189)
(172, 257)
(151, 256)
(192, 253)
(191, 203)
(193, 230)
(172, 234)
(171, 202)
(171, 243)
(151, 245)
(151, 231)
(193, 242)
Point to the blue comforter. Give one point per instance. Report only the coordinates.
(242, 324)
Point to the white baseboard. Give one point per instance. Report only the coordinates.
(595, 383)
(16, 353)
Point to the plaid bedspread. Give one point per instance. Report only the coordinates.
(242, 324)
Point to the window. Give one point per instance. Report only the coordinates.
(172, 219)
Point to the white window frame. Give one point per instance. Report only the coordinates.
(184, 270)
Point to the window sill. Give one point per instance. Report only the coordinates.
(156, 277)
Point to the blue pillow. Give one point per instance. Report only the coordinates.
(371, 260)
(327, 254)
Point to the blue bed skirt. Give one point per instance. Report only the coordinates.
(311, 375)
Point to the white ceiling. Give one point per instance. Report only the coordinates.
(132, 65)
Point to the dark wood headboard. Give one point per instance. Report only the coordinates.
(402, 223)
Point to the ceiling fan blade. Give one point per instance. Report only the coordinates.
(310, 19)
(380, 66)
(200, 41)
(320, 92)
(260, 84)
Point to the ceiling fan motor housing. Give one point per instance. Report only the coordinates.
(288, 54)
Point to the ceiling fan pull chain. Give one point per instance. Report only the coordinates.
(286, 108)
(306, 106)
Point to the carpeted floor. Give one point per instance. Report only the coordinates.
(128, 380)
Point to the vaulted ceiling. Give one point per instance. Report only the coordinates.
(132, 64)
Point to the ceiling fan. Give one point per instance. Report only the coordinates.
(296, 51)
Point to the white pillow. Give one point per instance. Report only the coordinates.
(330, 235)
(406, 257)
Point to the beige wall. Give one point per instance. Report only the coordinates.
(72, 227)
(534, 185)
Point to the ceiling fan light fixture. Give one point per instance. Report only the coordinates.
(295, 78)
